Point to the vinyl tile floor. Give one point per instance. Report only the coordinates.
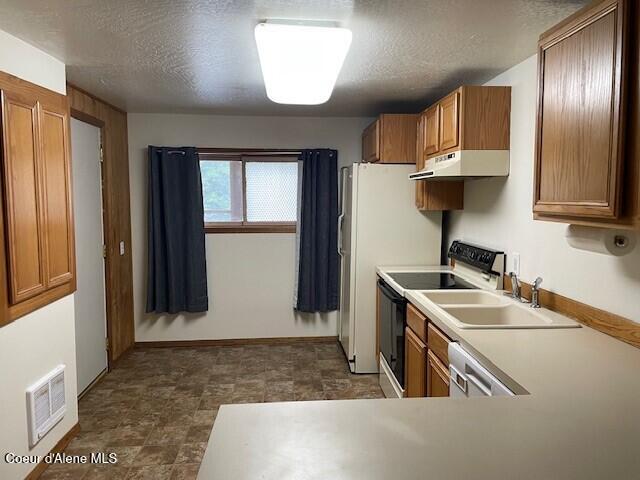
(155, 410)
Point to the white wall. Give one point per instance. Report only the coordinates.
(497, 212)
(250, 276)
(35, 344)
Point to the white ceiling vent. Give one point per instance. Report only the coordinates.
(45, 404)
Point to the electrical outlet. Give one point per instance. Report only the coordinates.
(515, 263)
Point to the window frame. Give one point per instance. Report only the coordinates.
(244, 156)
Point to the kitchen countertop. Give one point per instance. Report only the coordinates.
(580, 420)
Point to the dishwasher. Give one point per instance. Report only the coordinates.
(469, 378)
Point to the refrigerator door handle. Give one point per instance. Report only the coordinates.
(340, 223)
(343, 176)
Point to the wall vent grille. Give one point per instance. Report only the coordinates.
(46, 404)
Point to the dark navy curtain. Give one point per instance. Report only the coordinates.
(177, 272)
(318, 268)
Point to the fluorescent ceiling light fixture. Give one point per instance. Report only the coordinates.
(301, 61)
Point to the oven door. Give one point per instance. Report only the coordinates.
(392, 311)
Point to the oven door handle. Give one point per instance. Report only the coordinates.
(389, 293)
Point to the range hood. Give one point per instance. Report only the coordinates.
(465, 164)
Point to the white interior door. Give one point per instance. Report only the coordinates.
(90, 308)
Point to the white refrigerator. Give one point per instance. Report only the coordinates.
(379, 224)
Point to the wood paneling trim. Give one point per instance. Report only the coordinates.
(234, 342)
(82, 91)
(614, 325)
(59, 447)
(117, 214)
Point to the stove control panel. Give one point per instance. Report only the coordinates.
(487, 260)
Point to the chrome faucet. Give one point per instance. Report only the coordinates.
(535, 293)
(515, 286)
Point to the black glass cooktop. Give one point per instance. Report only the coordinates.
(430, 281)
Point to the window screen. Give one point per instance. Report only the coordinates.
(271, 191)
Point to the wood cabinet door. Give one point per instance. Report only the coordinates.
(58, 211)
(431, 131)
(22, 197)
(415, 365)
(437, 377)
(371, 143)
(420, 162)
(449, 121)
(579, 142)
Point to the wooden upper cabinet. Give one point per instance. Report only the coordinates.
(430, 131)
(371, 143)
(390, 139)
(580, 149)
(59, 234)
(448, 111)
(469, 118)
(23, 199)
(415, 365)
(37, 214)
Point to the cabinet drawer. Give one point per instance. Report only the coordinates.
(417, 322)
(438, 343)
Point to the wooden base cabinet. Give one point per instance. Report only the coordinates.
(415, 366)
(38, 254)
(426, 357)
(587, 155)
(437, 377)
(390, 139)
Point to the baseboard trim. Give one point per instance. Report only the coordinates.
(231, 342)
(93, 383)
(57, 448)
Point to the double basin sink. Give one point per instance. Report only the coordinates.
(481, 309)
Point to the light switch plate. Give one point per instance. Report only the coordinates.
(515, 263)
(122, 248)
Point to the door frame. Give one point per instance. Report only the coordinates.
(96, 122)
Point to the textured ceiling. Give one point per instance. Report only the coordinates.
(200, 56)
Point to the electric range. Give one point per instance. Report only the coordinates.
(473, 267)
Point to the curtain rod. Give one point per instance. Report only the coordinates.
(256, 152)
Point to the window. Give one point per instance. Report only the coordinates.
(249, 193)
